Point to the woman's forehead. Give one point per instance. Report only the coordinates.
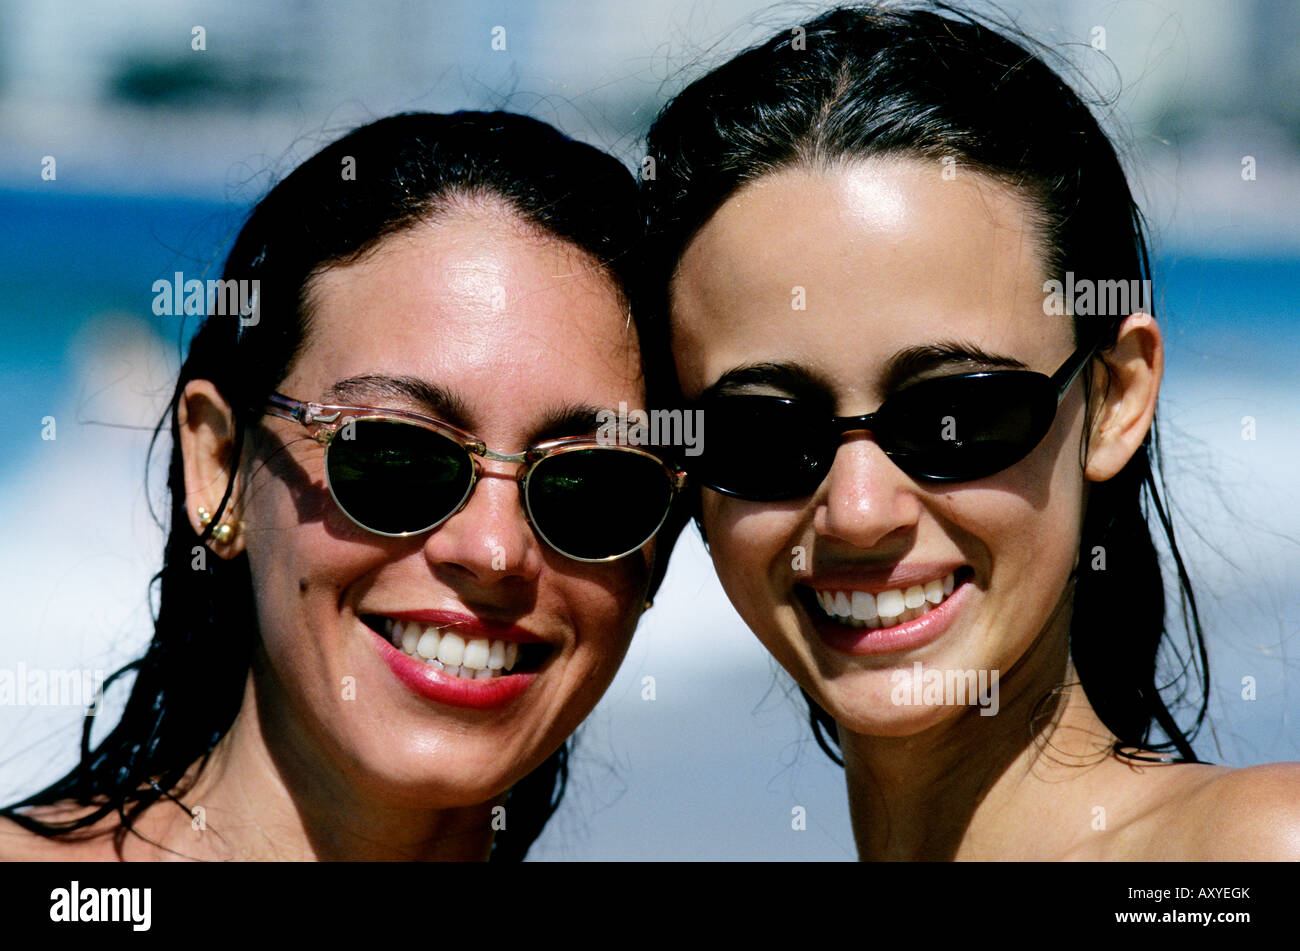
(884, 225)
(831, 264)
(479, 308)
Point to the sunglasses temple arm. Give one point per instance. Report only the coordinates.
(296, 411)
(1075, 366)
(284, 408)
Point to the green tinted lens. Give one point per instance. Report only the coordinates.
(598, 503)
(394, 477)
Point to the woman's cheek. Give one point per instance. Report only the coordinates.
(745, 540)
(722, 530)
(1032, 552)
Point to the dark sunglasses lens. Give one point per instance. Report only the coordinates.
(396, 477)
(967, 427)
(600, 502)
(761, 448)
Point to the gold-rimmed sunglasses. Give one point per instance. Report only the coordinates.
(397, 473)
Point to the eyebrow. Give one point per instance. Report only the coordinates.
(911, 362)
(789, 377)
(945, 354)
(375, 390)
(568, 420)
(371, 389)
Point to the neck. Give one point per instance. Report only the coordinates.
(983, 787)
(265, 798)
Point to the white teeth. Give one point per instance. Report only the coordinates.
(842, 606)
(884, 608)
(479, 659)
(476, 654)
(864, 606)
(890, 603)
(451, 651)
(428, 644)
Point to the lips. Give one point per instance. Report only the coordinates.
(884, 608)
(880, 615)
(463, 661)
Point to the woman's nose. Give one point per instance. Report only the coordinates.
(488, 540)
(865, 498)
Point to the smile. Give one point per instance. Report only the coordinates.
(455, 655)
(866, 609)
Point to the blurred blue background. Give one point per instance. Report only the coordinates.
(161, 149)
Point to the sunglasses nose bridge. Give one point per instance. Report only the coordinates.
(486, 453)
(843, 425)
(479, 451)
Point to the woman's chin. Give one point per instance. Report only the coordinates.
(898, 703)
(454, 789)
(438, 773)
(888, 721)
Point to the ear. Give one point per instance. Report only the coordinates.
(207, 434)
(1135, 366)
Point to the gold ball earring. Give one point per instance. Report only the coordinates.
(223, 533)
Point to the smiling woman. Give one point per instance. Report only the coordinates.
(927, 479)
(401, 567)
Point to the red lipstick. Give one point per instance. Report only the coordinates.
(433, 684)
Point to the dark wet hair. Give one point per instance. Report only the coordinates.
(937, 83)
(408, 168)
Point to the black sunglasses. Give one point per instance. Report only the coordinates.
(946, 429)
(396, 473)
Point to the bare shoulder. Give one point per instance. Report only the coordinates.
(1218, 814)
(20, 844)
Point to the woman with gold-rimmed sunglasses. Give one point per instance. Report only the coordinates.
(375, 633)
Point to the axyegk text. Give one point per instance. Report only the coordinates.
(102, 905)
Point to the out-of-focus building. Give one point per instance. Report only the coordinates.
(132, 102)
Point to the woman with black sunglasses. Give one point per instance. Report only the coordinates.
(892, 245)
(402, 567)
